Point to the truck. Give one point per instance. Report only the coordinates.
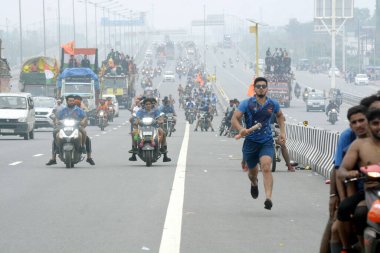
(69, 53)
(227, 41)
(113, 84)
(280, 78)
(5, 74)
(83, 82)
(38, 77)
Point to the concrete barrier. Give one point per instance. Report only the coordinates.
(312, 147)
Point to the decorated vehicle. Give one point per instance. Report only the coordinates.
(38, 76)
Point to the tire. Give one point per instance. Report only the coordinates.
(221, 131)
(148, 158)
(26, 136)
(274, 163)
(31, 134)
(68, 159)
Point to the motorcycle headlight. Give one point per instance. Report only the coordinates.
(101, 114)
(333, 110)
(374, 174)
(22, 119)
(69, 122)
(147, 121)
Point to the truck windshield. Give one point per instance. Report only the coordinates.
(76, 88)
(40, 90)
(12, 102)
(44, 102)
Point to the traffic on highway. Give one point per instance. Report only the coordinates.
(123, 133)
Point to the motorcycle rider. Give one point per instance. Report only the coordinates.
(330, 106)
(204, 108)
(102, 107)
(297, 90)
(70, 111)
(363, 151)
(180, 90)
(169, 108)
(305, 94)
(150, 111)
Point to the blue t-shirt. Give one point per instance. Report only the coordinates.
(255, 113)
(152, 113)
(167, 109)
(74, 113)
(344, 142)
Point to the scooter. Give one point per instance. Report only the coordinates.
(68, 142)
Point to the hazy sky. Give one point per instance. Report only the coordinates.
(169, 13)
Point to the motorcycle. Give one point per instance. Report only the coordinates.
(371, 173)
(148, 149)
(297, 93)
(214, 111)
(190, 115)
(224, 64)
(305, 97)
(168, 124)
(111, 113)
(203, 117)
(69, 143)
(277, 147)
(333, 116)
(224, 126)
(102, 119)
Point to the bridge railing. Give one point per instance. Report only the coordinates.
(312, 147)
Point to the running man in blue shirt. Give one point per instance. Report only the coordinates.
(258, 145)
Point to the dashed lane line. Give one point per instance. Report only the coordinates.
(15, 163)
(37, 155)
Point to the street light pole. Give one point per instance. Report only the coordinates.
(333, 34)
(19, 9)
(85, 6)
(204, 37)
(96, 27)
(59, 27)
(43, 14)
(257, 50)
(74, 18)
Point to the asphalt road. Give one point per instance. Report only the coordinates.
(123, 206)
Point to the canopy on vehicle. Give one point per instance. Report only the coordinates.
(78, 72)
(40, 64)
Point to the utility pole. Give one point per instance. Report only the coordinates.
(19, 8)
(204, 37)
(59, 27)
(333, 35)
(43, 14)
(74, 18)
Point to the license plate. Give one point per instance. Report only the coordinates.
(7, 130)
(147, 133)
(315, 105)
(40, 119)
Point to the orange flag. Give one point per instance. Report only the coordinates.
(251, 89)
(69, 47)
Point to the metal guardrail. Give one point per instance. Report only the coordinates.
(351, 99)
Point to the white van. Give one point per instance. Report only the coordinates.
(17, 115)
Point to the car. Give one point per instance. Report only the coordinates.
(44, 107)
(169, 76)
(361, 79)
(337, 72)
(114, 101)
(316, 102)
(17, 116)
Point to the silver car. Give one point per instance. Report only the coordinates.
(315, 102)
(43, 107)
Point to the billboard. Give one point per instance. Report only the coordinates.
(323, 9)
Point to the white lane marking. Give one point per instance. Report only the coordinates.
(104, 132)
(15, 163)
(171, 235)
(118, 126)
(115, 128)
(37, 155)
(123, 124)
(97, 135)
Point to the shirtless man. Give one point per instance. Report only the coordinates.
(363, 151)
